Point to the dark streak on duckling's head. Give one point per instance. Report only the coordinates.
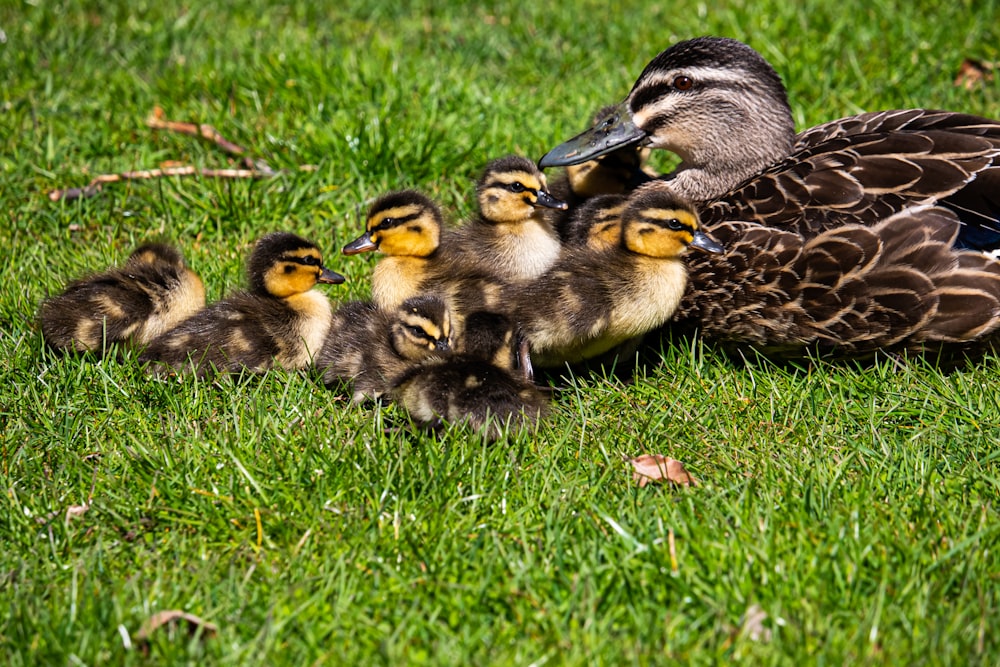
(421, 327)
(510, 190)
(597, 222)
(658, 223)
(405, 223)
(283, 264)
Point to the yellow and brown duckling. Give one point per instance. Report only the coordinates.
(596, 223)
(134, 303)
(593, 301)
(480, 385)
(406, 226)
(511, 239)
(368, 347)
(280, 321)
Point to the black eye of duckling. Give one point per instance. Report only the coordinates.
(309, 260)
(517, 187)
(420, 333)
(683, 83)
(675, 224)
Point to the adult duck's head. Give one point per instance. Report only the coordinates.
(713, 101)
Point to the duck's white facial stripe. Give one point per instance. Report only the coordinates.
(700, 75)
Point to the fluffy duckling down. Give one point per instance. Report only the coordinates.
(367, 347)
(479, 385)
(591, 301)
(280, 321)
(134, 303)
(511, 239)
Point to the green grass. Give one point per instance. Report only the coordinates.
(856, 506)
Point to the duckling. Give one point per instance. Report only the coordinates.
(406, 226)
(280, 321)
(152, 292)
(478, 386)
(370, 346)
(592, 301)
(741, 158)
(511, 239)
(596, 223)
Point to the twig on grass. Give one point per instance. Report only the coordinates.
(94, 187)
(252, 167)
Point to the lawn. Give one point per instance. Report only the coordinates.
(845, 514)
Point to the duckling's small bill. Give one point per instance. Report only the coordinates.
(359, 245)
(700, 241)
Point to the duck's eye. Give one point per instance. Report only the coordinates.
(516, 187)
(309, 260)
(418, 332)
(675, 224)
(683, 83)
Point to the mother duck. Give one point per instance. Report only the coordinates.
(934, 176)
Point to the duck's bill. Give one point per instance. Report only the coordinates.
(361, 244)
(548, 201)
(705, 244)
(612, 131)
(330, 277)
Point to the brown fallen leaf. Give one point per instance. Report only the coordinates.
(174, 617)
(972, 73)
(656, 467)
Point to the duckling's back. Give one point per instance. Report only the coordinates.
(152, 292)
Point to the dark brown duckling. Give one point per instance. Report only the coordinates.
(479, 386)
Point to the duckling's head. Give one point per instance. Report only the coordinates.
(421, 327)
(511, 189)
(400, 223)
(597, 222)
(283, 264)
(713, 101)
(150, 254)
(492, 337)
(658, 223)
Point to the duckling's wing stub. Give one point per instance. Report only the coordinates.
(613, 131)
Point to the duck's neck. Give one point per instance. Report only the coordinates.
(721, 158)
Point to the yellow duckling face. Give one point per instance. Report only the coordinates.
(511, 189)
(657, 223)
(284, 264)
(405, 223)
(421, 328)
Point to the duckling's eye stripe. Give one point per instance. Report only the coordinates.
(515, 186)
(395, 221)
(307, 260)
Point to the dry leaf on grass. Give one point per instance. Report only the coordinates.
(972, 73)
(656, 467)
(172, 618)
